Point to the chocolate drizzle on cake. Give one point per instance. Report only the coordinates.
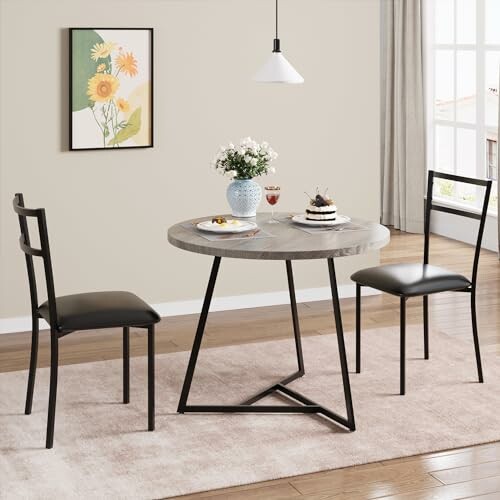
(321, 208)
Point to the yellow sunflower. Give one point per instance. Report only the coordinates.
(102, 50)
(127, 63)
(123, 105)
(101, 68)
(102, 87)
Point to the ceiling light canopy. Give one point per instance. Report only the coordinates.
(277, 69)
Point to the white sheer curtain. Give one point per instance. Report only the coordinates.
(403, 115)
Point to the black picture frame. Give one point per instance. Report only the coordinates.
(72, 66)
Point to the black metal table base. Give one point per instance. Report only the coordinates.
(305, 404)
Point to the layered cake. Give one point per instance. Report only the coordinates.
(321, 208)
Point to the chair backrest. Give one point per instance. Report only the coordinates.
(481, 217)
(30, 252)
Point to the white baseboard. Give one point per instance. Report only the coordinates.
(180, 308)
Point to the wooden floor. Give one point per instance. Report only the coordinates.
(463, 473)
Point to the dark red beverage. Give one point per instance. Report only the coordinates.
(272, 198)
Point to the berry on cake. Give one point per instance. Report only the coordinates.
(321, 208)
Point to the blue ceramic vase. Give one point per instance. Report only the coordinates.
(243, 196)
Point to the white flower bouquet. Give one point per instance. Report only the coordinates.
(249, 159)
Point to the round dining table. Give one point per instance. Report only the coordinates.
(285, 241)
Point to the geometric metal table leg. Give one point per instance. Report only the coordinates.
(298, 343)
(199, 335)
(295, 317)
(341, 344)
(306, 405)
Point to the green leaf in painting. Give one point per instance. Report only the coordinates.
(83, 66)
(131, 128)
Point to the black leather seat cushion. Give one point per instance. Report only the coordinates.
(411, 279)
(87, 311)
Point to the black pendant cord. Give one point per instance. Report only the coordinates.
(276, 42)
(276, 19)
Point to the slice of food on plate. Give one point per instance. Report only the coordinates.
(220, 224)
(219, 220)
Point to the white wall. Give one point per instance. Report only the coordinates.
(466, 230)
(108, 212)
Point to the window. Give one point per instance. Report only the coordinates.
(492, 159)
(462, 92)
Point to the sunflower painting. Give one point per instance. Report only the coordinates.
(111, 76)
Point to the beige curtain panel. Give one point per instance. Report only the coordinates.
(403, 115)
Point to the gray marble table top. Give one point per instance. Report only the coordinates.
(288, 242)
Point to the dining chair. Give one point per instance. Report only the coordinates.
(83, 311)
(421, 280)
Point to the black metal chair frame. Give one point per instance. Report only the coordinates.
(430, 205)
(55, 331)
(305, 404)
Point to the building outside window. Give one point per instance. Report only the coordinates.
(462, 92)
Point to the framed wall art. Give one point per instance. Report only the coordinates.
(111, 88)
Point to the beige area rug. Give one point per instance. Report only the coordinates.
(102, 451)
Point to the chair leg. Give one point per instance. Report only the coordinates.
(426, 326)
(54, 365)
(476, 337)
(151, 378)
(33, 363)
(402, 346)
(358, 328)
(126, 365)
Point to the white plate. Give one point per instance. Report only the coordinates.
(301, 219)
(231, 226)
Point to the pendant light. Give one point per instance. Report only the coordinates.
(277, 69)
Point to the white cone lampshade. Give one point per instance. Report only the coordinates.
(278, 70)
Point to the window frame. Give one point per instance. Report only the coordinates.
(480, 48)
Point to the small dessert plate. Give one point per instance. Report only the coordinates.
(230, 226)
(301, 219)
